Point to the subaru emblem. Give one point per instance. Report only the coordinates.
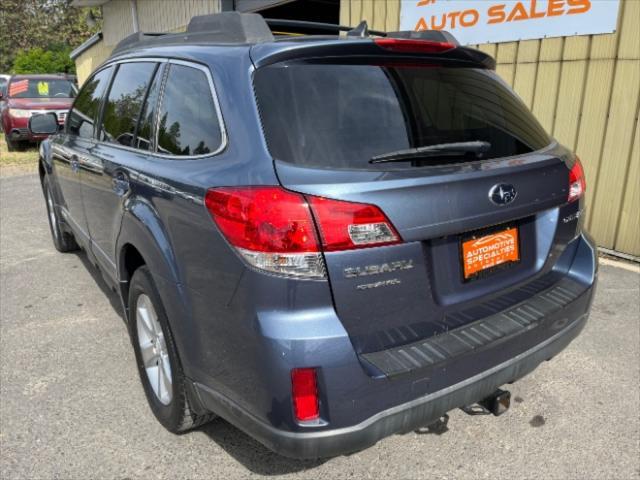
(502, 194)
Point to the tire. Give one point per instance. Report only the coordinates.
(63, 241)
(11, 146)
(157, 357)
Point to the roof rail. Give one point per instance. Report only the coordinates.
(252, 28)
(135, 39)
(232, 27)
(225, 27)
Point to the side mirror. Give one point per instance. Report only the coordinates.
(43, 124)
(1, 95)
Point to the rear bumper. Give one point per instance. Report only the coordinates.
(395, 396)
(400, 419)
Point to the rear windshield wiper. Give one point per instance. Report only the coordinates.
(458, 148)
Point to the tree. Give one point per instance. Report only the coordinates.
(38, 60)
(45, 24)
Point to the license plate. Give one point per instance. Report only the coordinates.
(484, 252)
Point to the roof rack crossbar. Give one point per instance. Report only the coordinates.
(329, 27)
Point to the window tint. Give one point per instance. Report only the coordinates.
(3, 86)
(85, 108)
(145, 133)
(124, 102)
(340, 116)
(188, 119)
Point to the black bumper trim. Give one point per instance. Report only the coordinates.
(476, 335)
(401, 418)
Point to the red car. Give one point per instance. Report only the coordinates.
(27, 95)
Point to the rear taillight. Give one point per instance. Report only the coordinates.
(346, 225)
(304, 394)
(403, 45)
(274, 230)
(577, 183)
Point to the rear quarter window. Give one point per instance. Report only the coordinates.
(188, 119)
(340, 116)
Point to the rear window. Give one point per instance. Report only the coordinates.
(42, 88)
(340, 116)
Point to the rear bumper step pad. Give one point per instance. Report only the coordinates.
(460, 341)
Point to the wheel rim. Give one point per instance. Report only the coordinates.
(52, 214)
(153, 349)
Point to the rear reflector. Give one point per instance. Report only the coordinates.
(404, 45)
(304, 394)
(274, 230)
(577, 182)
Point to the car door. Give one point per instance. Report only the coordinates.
(106, 173)
(71, 149)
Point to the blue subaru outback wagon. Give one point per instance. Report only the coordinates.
(323, 239)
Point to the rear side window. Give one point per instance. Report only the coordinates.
(85, 109)
(188, 120)
(124, 102)
(340, 116)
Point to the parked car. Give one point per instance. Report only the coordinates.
(4, 82)
(325, 240)
(27, 95)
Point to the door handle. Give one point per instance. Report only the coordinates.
(74, 163)
(120, 183)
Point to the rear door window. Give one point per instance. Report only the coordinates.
(85, 109)
(340, 116)
(124, 102)
(188, 118)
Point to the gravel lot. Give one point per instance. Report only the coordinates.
(71, 405)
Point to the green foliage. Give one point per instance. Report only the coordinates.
(38, 60)
(30, 24)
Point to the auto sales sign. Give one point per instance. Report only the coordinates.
(492, 21)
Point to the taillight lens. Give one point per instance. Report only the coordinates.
(577, 183)
(264, 219)
(270, 227)
(403, 45)
(274, 230)
(346, 225)
(304, 394)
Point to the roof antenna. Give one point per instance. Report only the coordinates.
(362, 30)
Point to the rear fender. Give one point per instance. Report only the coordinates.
(142, 228)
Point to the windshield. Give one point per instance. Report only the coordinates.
(341, 116)
(42, 88)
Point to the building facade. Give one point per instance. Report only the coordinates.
(584, 89)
